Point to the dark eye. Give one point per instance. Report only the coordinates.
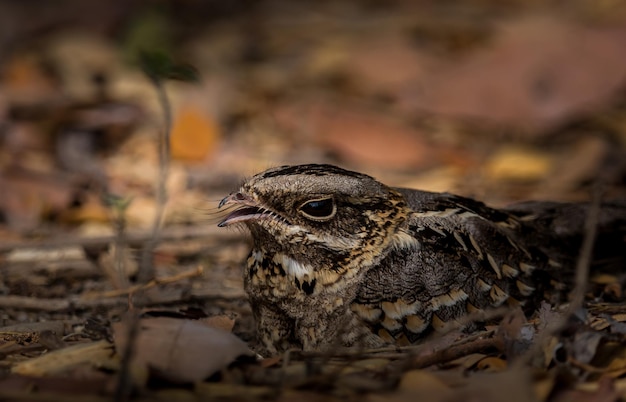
(319, 210)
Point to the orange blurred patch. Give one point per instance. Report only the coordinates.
(194, 135)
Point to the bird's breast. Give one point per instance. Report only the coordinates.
(276, 277)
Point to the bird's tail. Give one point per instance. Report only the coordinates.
(558, 229)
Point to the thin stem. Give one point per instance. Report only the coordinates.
(146, 267)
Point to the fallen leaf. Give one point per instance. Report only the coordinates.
(580, 162)
(516, 163)
(181, 350)
(491, 364)
(361, 135)
(536, 73)
(388, 62)
(24, 78)
(271, 361)
(550, 349)
(417, 385)
(91, 210)
(421, 380)
(27, 196)
(603, 278)
(92, 353)
(586, 345)
(222, 322)
(194, 135)
(467, 361)
(513, 385)
(604, 392)
(141, 211)
(515, 333)
(118, 264)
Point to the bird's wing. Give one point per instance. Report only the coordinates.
(467, 258)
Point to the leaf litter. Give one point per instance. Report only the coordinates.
(480, 104)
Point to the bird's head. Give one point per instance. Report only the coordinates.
(322, 215)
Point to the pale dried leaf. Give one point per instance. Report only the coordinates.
(182, 350)
(516, 163)
(222, 322)
(93, 353)
(585, 346)
(421, 380)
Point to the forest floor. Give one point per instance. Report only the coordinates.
(500, 101)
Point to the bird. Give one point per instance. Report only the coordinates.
(340, 259)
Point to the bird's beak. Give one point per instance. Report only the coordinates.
(248, 208)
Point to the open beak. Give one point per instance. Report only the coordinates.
(247, 209)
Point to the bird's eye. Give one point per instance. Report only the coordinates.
(319, 210)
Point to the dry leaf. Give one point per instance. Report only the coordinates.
(514, 163)
(515, 333)
(27, 196)
(194, 135)
(24, 78)
(271, 361)
(604, 392)
(222, 322)
(421, 380)
(91, 210)
(360, 135)
(181, 350)
(93, 353)
(417, 385)
(467, 361)
(491, 364)
(536, 73)
(586, 345)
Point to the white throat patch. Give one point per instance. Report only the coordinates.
(293, 267)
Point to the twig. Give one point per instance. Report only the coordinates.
(390, 351)
(586, 253)
(133, 238)
(117, 275)
(455, 352)
(141, 287)
(86, 302)
(146, 269)
(125, 380)
(32, 303)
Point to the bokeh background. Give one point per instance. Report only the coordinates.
(500, 100)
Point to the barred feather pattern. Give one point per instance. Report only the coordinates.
(340, 259)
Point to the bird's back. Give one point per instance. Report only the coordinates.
(469, 258)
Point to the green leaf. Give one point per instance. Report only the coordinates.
(184, 72)
(158, 66)
(116, 202)
(155, 65)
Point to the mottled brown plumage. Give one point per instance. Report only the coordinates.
(341, 259)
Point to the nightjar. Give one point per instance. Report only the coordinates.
(340, 259)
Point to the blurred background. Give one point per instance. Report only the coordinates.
(499, 100)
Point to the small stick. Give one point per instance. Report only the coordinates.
(455, 352)
(133, 238)
(144, 286)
